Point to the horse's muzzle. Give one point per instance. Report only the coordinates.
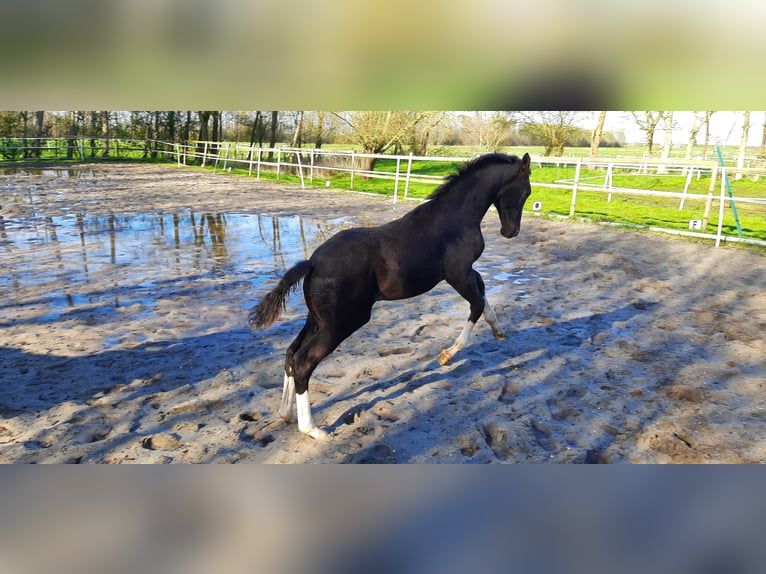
(509, 233)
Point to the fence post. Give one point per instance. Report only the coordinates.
(686, 188)
(250, 163)
(721, 207)
(353, 164)
(204, 154)
(574, 188)
(311, 169)
(225, 155)
(407, 178)
(279, 161)
(396, 178)
(258, 169)
(608, 182)
(300, 168)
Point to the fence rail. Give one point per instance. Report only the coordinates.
(314, 166)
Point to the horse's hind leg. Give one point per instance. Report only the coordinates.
(315, 348)
(288, 388)
(336, 326)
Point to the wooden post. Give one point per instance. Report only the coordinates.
(353, 165)
(713, 176)
(279, 161)
(204, 155)
(708, 206)
(258, 168)
(574, 188)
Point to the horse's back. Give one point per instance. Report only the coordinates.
(345, 257)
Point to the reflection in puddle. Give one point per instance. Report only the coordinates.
(90, 268)
(49, 172)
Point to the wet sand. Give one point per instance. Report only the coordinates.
(123, 338)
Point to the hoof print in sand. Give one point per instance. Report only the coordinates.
(378, 454)
(162, 441)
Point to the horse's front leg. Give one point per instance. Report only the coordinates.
(491, 318)
(462, 340)
(471, 288)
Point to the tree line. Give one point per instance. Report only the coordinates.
(375, 132)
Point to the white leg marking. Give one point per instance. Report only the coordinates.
(489, 315)
(288, 393)
(305, 422)
(461, 342)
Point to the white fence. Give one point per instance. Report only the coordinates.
(78, 148)
(314, 166)
(310, 164)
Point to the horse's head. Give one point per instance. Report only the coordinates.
(511, 197)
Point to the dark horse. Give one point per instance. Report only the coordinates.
(346, 275)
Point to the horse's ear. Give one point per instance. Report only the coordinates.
(525, 162)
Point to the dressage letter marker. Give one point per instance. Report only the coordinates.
(356, 267)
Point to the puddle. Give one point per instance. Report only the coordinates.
(104, 267)
(53, 172)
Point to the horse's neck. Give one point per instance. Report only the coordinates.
(475, 201)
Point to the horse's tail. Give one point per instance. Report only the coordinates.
(263, 315)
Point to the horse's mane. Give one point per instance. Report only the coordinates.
(470, 167)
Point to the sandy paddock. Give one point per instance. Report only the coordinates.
(620, 346)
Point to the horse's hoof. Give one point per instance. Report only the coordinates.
(443, 358)
(286, 416)
(499, 336)
(318, 434)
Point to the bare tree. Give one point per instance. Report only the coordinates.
(105, 133)
(298, 132)
(695, 129)
(39, 123)
(486, 130)
(71, 135)
(743, 143)
(217, 127)
(318, 127)
(273, 138)
(595, 139)
(204, 125)
(554, 128)
(648, 122)
(667, 144)
(377, 132)
(706, 123)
